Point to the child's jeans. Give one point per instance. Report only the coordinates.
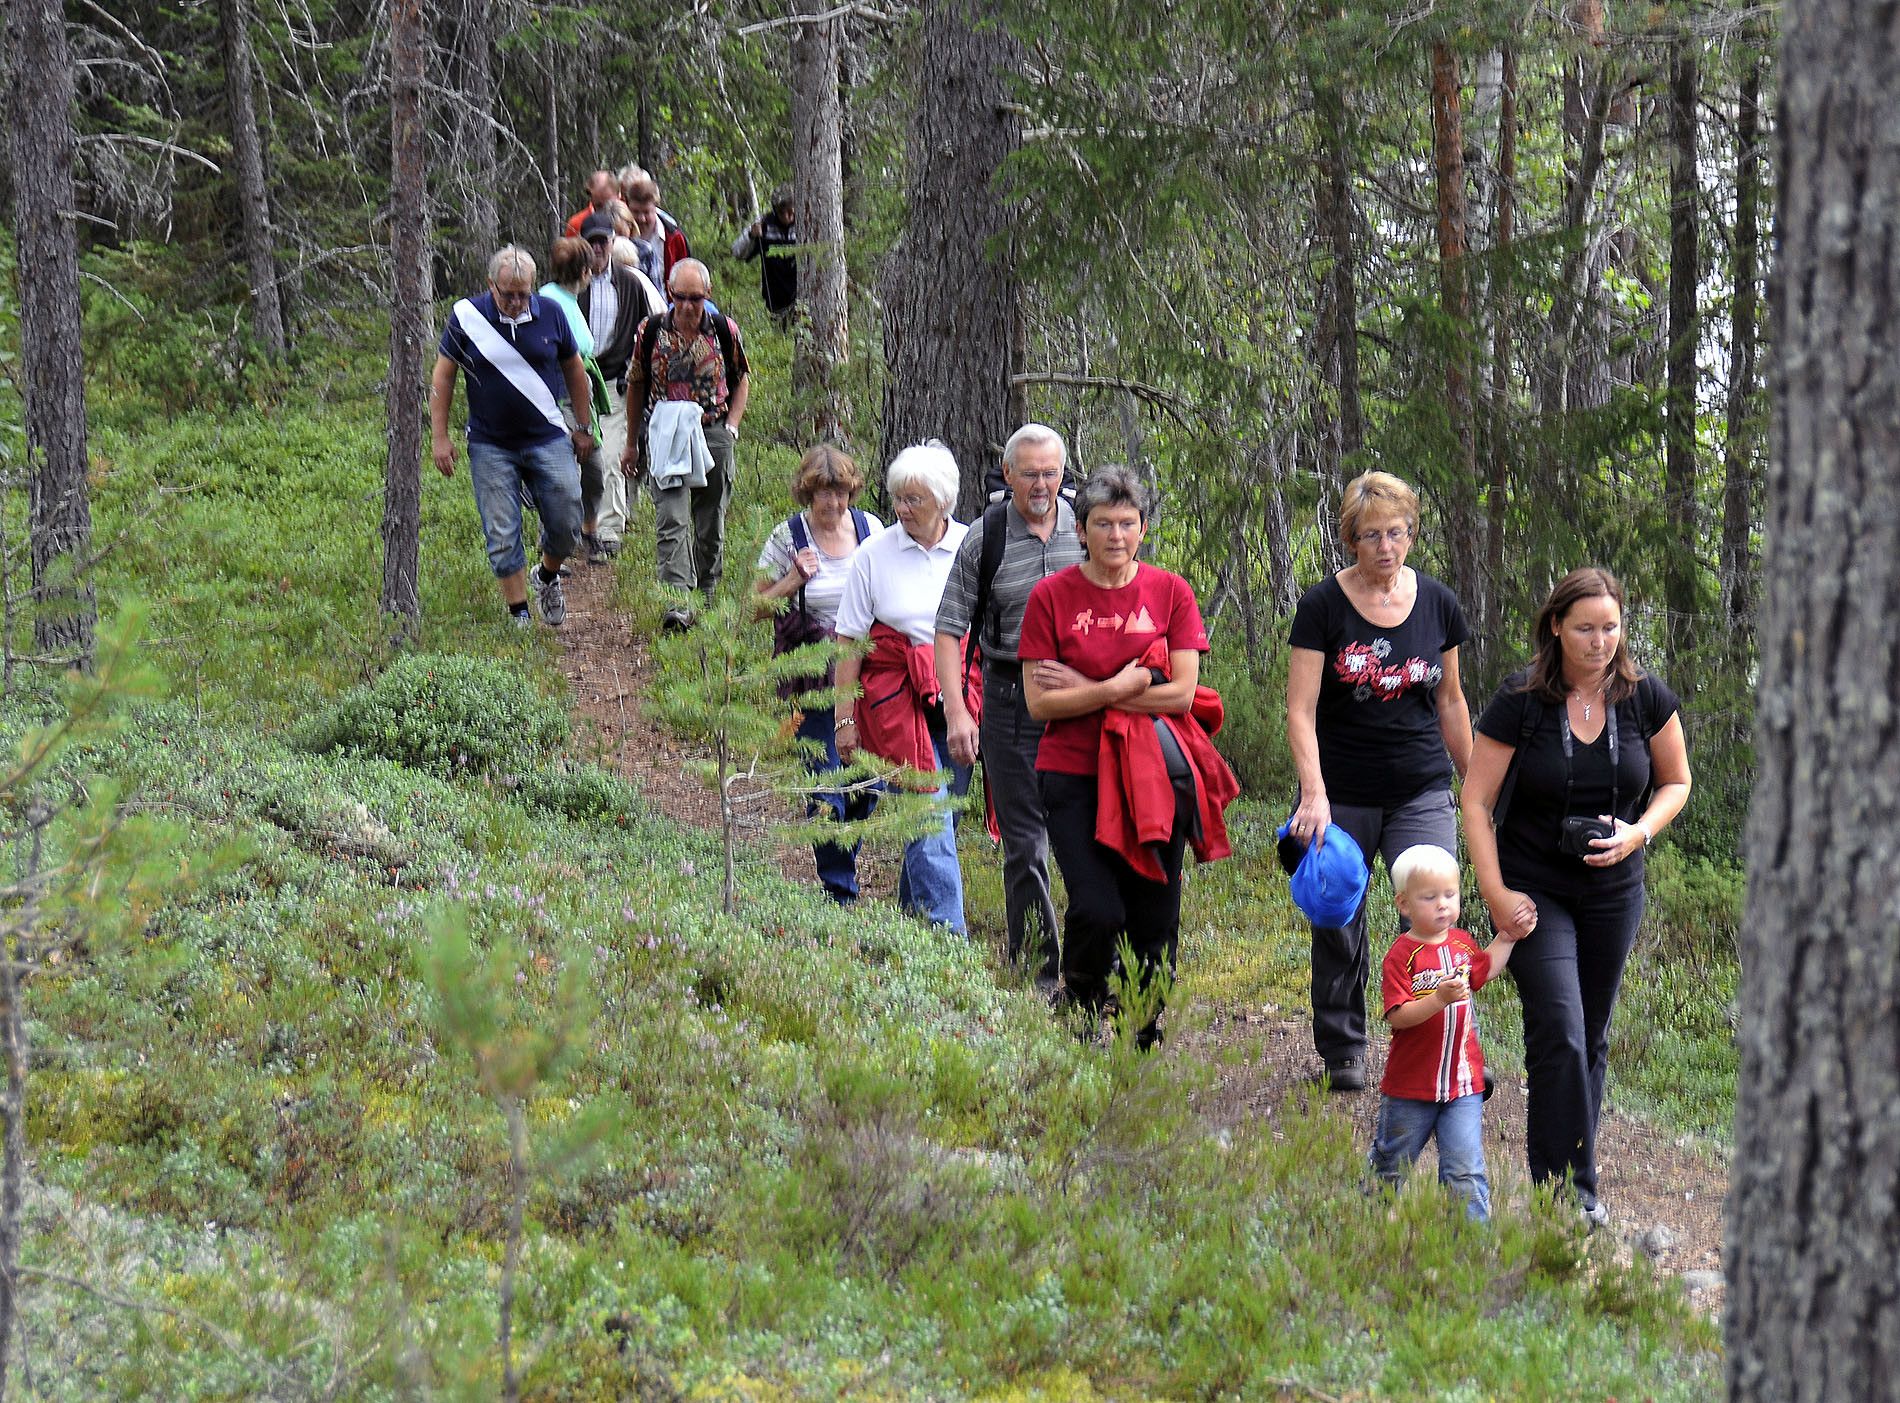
(1404, 1127)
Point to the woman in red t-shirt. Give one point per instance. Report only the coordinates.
(1086, 631)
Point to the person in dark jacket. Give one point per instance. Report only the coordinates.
(614, 300)
(771, 239)
(1092, 638)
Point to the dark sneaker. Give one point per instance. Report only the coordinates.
(1348, 1074)
(610, 549)
(553, 602)
(596, 551)
(1595, 1215)
(676, 620)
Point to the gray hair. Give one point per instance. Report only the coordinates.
(510, 253)
(1033, 434)
(633, 176)
(930, 463)
(1112, 486)
(689, 265)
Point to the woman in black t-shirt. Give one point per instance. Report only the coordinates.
(1581, 734)
(1377, 723)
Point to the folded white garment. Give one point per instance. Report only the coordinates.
(676, 445)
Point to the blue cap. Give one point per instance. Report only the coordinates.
(1331, 879)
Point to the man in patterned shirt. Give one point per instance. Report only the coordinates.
(690, 355)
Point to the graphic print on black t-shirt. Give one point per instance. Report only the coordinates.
(1376, 717)
(1364, 667)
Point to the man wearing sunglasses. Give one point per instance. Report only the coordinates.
(691, 376)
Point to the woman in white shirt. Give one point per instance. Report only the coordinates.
(891, 600)
(805, 562)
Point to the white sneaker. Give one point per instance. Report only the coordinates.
(553, 602)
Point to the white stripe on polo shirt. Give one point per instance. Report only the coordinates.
(506, 359)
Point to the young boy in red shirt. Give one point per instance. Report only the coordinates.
(1434, 1074)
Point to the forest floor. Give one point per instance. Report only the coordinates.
(1665, 1191)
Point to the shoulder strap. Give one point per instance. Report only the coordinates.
(861, 524)
(1527, 724)
(723, 329)
(649, 338)
(796, 524)
(995, 536)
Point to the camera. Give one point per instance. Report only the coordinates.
(1577, 833)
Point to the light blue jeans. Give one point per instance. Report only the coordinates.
(1404, 1127)
(552, 480)
(930, 883)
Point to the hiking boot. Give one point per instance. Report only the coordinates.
(595, 548)
(553, 602)
(676, 620)
(1347, 1074)
(609, 549)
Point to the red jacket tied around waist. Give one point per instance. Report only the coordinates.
(1134, 810)
(899, 680)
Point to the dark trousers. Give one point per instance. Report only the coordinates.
(1342, 957)
(1008, 737)
(1567, 973)
(1109, 899)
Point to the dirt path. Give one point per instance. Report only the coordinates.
(1665, 1193)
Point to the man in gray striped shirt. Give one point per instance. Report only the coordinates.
(1039, 539)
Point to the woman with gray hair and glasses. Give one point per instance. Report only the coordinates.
(890, 600)
(1376, 722)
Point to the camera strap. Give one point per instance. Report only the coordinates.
(1563, 730)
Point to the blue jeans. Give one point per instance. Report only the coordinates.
(1404, 1127)
(930, 883)
(548, 475)
(837, 865)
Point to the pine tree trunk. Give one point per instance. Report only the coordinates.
(1340, 432)
(551, 140)
(818, 180)
(1448, 159)
(13, 1056)
(1679, 451)
(1738, 452)
(247, 148)
(408, 216)
(1813, 1217)
(950, 303)
(52, 378)
(1498, 485)
(476, 118)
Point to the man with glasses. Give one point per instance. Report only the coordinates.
(988, 590)
(688, 356)
(517, 354)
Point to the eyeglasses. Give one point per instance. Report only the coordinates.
(1050, 476)
(689, 297)
(910, 501)
(1395, 534)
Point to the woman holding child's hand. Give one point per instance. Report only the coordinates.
(1579, 761)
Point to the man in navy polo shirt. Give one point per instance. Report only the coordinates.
(515, 350)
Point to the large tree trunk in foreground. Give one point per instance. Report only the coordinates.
(52, 379)
(1813, 1213)
(818, 181)
(247, 147)
(408, 215)
(950, 296)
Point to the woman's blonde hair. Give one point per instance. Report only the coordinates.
(823, 467)
(1375, 492)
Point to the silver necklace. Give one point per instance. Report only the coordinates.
(1577, 692)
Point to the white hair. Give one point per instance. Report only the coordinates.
(1422, 859)
(624, 253)
(510, 254)
(929, 463)
(1033, 434)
